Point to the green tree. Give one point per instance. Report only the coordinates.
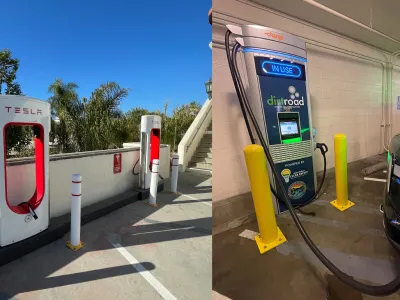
(182, 118)
(106, 124)
(17, 137)
(133, 118)
(67, 112)
(8, 73)
(86, 125)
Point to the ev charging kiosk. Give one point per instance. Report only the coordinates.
(23, 218)
(150, 140)
(277, 90)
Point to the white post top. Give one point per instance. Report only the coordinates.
(150, 122)
(76, 177)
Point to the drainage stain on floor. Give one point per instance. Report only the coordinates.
(337, 290)
(354, 240)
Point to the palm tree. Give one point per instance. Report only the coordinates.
(66, 106)
(106, 124)
(133, 118)
(98, 123)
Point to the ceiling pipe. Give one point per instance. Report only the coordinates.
(386, 116)
(337, 14)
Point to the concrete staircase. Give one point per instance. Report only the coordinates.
(202, 159)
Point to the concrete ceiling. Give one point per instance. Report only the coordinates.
(382, 15)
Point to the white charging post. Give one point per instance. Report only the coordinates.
(22, 217)
(150, 141)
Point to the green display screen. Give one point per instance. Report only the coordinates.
(292, 140)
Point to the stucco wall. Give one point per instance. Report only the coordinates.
(98, 179)
(346, 94)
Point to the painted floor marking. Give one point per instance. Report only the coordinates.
(167, 230)
(164, 293)
(249, 234)
(193, 198)
(374, 179)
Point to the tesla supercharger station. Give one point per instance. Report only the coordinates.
(23, 218)
(150, 140)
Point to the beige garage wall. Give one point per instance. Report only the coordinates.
(395, 95)
(346, 95)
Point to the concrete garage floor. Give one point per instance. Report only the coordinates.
(136, 252)
(354, 240)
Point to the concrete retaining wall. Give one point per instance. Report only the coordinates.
(98, 179)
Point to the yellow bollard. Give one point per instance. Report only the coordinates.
(270, 235)
(342, 201)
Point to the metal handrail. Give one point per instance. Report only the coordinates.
(198, 128)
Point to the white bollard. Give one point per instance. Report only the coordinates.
(75, 242)
(174, 173)
(154, 182)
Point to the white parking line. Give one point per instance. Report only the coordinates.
(206, 203)
(164, 293)
(218, 296)
(374, 179)
(167, 230)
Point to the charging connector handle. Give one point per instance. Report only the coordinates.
(323, 148)
(32, 212)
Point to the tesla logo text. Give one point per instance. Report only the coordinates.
(23, 110)
(274, 35)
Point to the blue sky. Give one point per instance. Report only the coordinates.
(158, 49)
